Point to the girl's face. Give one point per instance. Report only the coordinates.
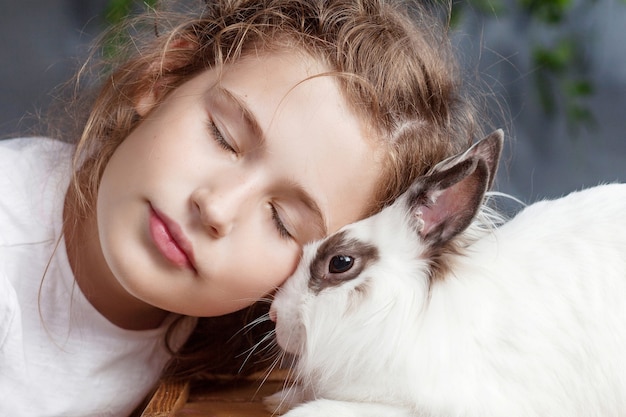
(205, 206)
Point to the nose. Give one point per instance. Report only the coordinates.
(218, 211)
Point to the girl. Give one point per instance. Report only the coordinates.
(229, 135)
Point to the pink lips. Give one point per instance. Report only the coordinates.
(170, 240)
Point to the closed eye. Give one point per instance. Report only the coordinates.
(219, 137)
(279, 224)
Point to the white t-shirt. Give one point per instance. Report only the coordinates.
(58, 355)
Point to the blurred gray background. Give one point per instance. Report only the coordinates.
(43, 41)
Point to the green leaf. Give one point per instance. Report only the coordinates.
(548, 11)
(556, 59)
(117, 10)
(579, 88)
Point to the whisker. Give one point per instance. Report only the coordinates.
(249, 326)
(255, 348)
(275, 363)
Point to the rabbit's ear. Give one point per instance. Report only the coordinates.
(445, 201)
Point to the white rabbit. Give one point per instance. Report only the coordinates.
(413, 312)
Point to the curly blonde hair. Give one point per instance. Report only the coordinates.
(394, 64)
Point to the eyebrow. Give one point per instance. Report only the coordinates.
(253, 125)
(311, 204)
(248, 117)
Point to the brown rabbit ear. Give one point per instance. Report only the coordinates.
(445, 201)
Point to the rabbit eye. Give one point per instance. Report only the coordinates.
(340, 263)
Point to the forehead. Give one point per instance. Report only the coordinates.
(312, 133)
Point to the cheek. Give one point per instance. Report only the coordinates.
(261, 267)
(277, 266)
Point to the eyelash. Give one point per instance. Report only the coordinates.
(280, 226)
(219, 138)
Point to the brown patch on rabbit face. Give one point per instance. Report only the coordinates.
(340, 259)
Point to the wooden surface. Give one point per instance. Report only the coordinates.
(168, 398)
(215, 399)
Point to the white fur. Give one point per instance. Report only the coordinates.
(530, 320)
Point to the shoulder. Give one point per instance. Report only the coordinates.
(34, 174)
(31, 144)
(9, 308)
(24, 161)
(33, 152)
